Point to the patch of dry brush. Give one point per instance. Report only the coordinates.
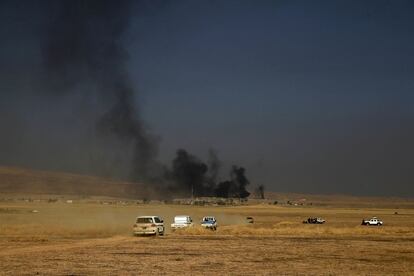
(297, 230)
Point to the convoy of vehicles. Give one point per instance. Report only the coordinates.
(372, 222)
(154, 225)
(181, 222)
(149, 225)
(209, 223)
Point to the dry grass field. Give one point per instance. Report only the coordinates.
(87, 237)
(92, 235)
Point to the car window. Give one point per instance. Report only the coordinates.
(157, 220)
(144, 220)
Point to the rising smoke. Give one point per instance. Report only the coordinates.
(90, 118)
(192, 177)
(83, 48)
(188, 174)
(236, 186)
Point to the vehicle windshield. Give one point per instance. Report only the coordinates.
(157, 220)
(144, 220)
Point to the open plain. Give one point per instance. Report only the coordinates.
(90, 236)
(290, 122)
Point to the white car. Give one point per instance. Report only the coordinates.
(373, 221)
(181, 222)
(209, 223)
(149, 225)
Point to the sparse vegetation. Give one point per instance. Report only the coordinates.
(61, 236)
(92, 231)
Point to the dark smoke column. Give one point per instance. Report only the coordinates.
(83, 52)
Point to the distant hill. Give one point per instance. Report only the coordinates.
(27, 181)
(22, 181)
(339, 200)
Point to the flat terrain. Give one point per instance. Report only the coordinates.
(93, 237)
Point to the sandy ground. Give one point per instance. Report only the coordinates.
(87, 238)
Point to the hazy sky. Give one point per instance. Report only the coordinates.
(309, 96)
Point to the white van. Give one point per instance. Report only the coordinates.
(181, 222)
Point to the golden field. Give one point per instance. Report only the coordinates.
(41, 233)
(93, 237)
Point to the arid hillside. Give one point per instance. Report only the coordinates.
(23, 181)
(27, 181)
(339, 200)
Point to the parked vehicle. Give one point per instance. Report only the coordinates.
(373, 221)
(315, 221)
(149, 225)
(249, 220)
(181, 222)
(209, 223)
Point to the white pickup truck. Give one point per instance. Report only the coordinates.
(373, 221)
(209, 223)
(181, 222)
(149, 225)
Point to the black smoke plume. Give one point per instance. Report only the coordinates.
(236, 186)
(214, 165)
(238, 177)
(192, 177)
(83, 51)
(75, 107)
(224, 189)
(189, 174)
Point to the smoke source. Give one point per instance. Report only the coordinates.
(191, 177)
(189, 174)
